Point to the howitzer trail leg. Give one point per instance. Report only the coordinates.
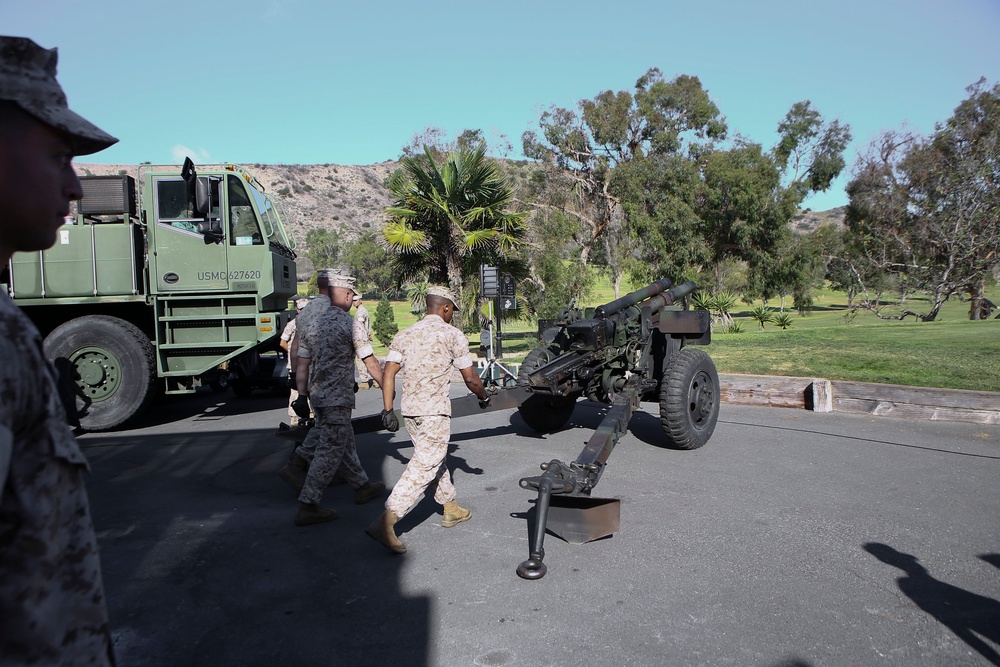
(534, 568)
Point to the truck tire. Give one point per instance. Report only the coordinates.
(542, 412)
(689, 399)
(113, 368)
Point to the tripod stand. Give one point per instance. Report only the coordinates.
(494, 373)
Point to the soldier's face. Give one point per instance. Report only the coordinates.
(37, 183)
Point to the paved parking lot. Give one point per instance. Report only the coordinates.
(792, 538)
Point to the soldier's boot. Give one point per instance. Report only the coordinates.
(294, 472)
(309, 514)
(383, 530)
(454, 515)
(368, 491)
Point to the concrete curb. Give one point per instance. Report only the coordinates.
(880, 400)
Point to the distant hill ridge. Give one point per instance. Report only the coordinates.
(353, 198)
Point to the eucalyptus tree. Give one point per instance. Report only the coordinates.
(649, 178)
(582, 149)
(452, 217)
(925, 209)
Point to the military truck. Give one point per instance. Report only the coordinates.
(157, 290)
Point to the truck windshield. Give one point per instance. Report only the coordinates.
(269, 217)
(244, 229)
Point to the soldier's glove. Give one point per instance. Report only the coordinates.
(355, 387)
(291, 381)
(485, 402)
(390, 421)
(300, 406)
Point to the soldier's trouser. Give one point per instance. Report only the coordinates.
(430, 437)
(330, 445)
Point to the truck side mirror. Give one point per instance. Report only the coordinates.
(197, 190)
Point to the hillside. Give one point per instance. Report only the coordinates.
(352, 198)
(807, 221)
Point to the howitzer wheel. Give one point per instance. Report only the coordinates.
(689, 399)
(543, 413)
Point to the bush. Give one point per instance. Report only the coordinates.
(385, 322)
(784, 320)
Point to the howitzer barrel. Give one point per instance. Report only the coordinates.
(673, 296)
(632, 298)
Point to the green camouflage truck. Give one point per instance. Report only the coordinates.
(157, 292)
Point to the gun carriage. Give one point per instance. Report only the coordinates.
(633, 349)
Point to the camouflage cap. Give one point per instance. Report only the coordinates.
(28, 78)
(443, 292)
(301, 302)
(357, 297)
(332, 278)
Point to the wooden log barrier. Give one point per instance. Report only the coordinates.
(776, 391)
(820, 395)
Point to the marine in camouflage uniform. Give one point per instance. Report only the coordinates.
(427, 353)
(365, 320)
(52, 605)
(287, 337)
(329, 339)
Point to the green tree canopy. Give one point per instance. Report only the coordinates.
(323, 247)
(369, 262)
(926, 209)
(657, 192)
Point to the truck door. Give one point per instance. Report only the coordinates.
(189, 252)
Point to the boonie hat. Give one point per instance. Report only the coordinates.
(444, 292)
(28, 78)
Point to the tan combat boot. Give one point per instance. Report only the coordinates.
(294, 472)
(382, 530)
(309, 514)
(368, 491)
(454, 515)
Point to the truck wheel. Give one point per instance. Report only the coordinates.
(113, 367)
(689, 399)
(543, 413)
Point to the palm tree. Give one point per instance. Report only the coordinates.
(449, 219)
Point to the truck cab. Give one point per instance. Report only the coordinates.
(154, 290)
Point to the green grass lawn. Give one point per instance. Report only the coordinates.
(952, 352)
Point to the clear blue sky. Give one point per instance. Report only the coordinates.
(318, 81)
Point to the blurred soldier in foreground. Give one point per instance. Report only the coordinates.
(427, 352)
(52, 605)
(328, 340)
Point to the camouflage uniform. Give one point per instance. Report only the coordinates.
(52, 606)
(365, 320)
(428, 352)
(286, 335)
(330, 338)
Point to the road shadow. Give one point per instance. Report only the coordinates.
(204, 566)
(970, 616)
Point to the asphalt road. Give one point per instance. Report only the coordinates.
(792, 538)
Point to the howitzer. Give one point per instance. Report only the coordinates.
(630, 350)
